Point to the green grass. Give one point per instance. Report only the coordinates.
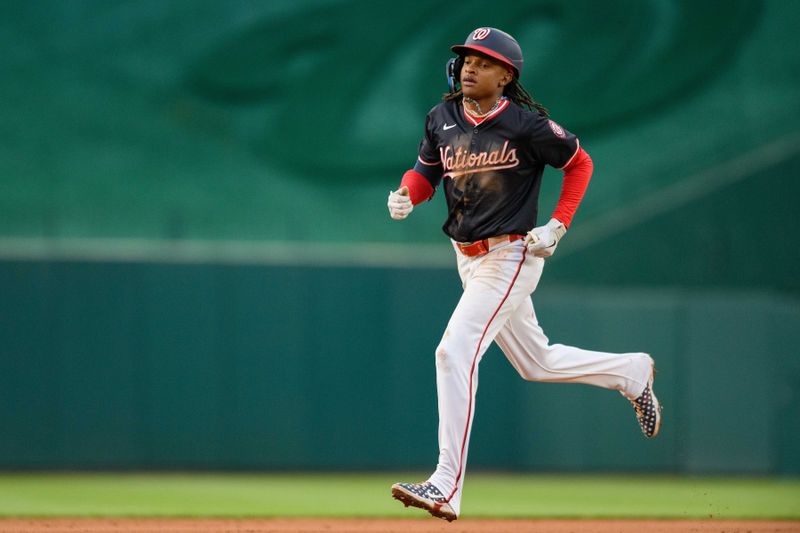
(499, 496)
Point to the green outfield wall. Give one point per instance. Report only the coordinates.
(267, 121)
(197, 269)
(175, 366)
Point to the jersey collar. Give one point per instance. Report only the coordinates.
(477, 121)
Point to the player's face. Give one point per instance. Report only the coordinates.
(483, 78)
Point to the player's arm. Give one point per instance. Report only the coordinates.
(542, 240)
(559, 148)
(577, 173)
(418, 184)
(414, 189)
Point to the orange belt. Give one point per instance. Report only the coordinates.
(477, 248)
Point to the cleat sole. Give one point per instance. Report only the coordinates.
(409, 499)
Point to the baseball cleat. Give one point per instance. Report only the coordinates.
(648, 410)
(425, 496)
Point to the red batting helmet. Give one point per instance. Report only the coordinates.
(493, 43)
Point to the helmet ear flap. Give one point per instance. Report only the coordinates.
(453, 73)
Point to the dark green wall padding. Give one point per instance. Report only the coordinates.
(209, 366)
(235, 121)
(125, 124)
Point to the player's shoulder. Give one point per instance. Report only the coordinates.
(441, 113)
(519, 119)
(530, 117)
(444, 109)
(538, 124)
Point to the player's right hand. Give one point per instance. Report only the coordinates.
(400, 203)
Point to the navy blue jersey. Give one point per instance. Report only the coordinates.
(491, 170)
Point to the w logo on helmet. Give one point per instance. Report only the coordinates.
(480, 34)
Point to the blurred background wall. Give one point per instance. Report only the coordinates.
(197, 269)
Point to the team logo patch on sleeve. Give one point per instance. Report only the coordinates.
(558, 130)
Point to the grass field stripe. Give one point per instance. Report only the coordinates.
(299, 494)
(682, 192)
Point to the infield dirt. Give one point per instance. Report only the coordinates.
(334, 525)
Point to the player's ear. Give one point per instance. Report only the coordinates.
(505, 80)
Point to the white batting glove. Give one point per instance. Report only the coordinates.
(542, 240)
(399, 204)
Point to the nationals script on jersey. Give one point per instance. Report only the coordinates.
(492, 167)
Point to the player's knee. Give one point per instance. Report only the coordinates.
(441, 358)
(539, 368)
(533, 373)
(441, 351)
(445, 345)
(449, 355)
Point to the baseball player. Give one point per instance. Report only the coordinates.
(487, 143)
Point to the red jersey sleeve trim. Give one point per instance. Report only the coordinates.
(577, 173)
(419, 188)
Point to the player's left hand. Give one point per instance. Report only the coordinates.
(542, 240)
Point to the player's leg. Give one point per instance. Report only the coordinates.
(493, 286)
(528, 349)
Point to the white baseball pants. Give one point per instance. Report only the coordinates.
(496, 306)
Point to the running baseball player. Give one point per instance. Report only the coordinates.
(487, 143)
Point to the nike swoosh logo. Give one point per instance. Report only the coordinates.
(446, 127)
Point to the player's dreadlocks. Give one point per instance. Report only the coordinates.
(515, 92)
